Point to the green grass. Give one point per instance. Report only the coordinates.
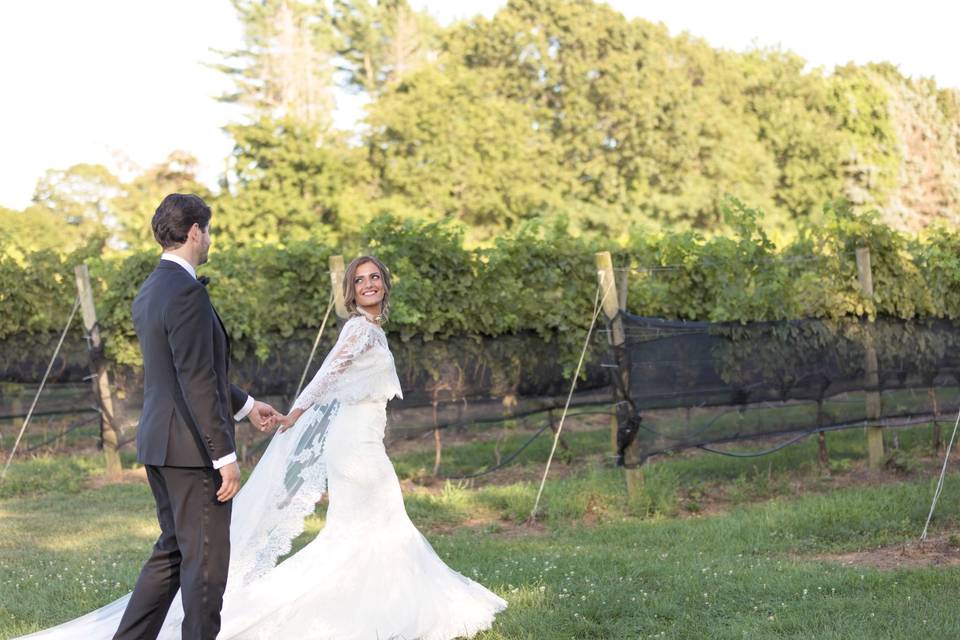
(62, 474)
(667, 428)
(465, 459)
(52, 433)
(598, 565)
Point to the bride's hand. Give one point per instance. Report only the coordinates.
(285, 423)
(288, 420)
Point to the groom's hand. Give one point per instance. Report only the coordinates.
(230, 474)
(261, 415)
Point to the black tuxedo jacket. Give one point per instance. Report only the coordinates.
(188, 402)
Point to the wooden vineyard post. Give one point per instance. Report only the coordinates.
(622, 288)
(437, 441)
(611, 307)
(823, 454)
(608, 293)
(937, 435)
(872, 378)
(16, 409)
(101, 381)
(337, 271)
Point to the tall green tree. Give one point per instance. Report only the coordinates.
(859, 105)
(286, 185)
(383, 41)
(643, 124)
(796, 123)
(79, 198)
(285, 69)
(447, 144)
(565, 107)
(135, 205)
(37, 228)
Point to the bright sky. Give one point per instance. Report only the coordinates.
(120, 82)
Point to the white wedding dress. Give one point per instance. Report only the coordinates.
(369, 574)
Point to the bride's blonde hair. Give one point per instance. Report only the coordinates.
(350, 293)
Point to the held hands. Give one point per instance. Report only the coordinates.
(262, 415)
(286, 421)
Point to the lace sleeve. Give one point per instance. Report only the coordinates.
(356, 338)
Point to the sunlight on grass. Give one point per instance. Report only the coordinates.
(598, 563)
(79, 540)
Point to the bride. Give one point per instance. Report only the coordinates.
(369, 574)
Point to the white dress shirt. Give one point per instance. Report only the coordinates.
(248, 405)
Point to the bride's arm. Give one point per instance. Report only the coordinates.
(357, 337)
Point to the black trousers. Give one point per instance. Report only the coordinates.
(192, 554)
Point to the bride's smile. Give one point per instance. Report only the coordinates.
(368, 286)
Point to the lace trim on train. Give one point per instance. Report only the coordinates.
(293, 500)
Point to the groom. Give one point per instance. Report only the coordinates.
(185, 438)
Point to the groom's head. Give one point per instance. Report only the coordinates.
(182, 222)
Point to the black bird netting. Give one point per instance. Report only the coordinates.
(461, 382)
(676, 384)
(686, 384)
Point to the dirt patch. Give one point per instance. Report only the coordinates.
(127, 476)
(492, 526)
(942, 550)
(519, 530)
(504, 476)
(459, 436)
(719, 497)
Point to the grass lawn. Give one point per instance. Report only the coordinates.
(710, 547)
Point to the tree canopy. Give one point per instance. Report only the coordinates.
(550, 109)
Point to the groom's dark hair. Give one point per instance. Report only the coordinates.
(174, 217)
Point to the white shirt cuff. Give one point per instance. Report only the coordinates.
(247, 407)
(225, 460)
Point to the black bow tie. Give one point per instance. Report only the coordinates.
(204, 280)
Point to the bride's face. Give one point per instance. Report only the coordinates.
(368, 285)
